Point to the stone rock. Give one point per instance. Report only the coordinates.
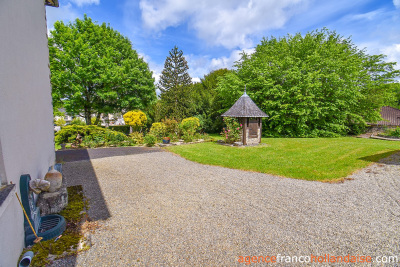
(238, 144)
(50, 203)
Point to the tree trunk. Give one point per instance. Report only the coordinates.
(88, 116)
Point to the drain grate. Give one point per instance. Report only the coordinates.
(48, 224)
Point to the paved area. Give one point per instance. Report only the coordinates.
(158, 209)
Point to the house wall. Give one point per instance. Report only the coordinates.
(26, 117)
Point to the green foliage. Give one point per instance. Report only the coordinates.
(120, 128)
(393, 132)
(136, 118)
(176, 87)
(95, 70)
(207, 101)
(233, 130)
(91, 136)
(150, 140)
(393, 97)
(188, 127)
(319, 84)
(175, 73)
(60, 121)
(158, 130)
(77, 121)
(93, 121)
(171, 126)
(137, 137)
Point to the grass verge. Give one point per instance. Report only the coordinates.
(318, 159)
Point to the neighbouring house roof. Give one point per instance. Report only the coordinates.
(51, 3)
(245, 107)
(390, 115)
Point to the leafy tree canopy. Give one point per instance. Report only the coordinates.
(319, 84)
(95, 70)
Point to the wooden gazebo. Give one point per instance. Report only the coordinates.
(249, 116)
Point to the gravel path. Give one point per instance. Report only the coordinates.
(158, 209)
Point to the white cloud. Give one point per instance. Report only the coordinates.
(369, 15)
(393, 54)
(196, 80)
(202, 65)
(396, 3)
(230, 23)
(64, 13)
(85, 2)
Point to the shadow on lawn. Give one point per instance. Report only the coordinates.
(383, 158)
(78, 170)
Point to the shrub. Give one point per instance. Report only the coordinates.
(60, 121)
(158, 129)
(150, 140)
(393, 132)
(77, 121)
(137, 138)
(136, 118)
(231, 133)
(171, 127)
(189, 126)
(120, 128)
(91, 136)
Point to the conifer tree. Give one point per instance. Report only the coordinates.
(175, 85)
(175, 73)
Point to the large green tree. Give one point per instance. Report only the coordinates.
(94, 70)
(207, 101)
(176, 87)
(319, 84)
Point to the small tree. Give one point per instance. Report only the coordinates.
(136, 119)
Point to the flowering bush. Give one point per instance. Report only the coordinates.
(233, 130)
(136, 118)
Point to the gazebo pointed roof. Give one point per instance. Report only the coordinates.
(245, 108)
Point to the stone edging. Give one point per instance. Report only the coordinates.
(384, 138)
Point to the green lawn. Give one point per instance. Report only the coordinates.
(322, 159)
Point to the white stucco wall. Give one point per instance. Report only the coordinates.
(26, 116)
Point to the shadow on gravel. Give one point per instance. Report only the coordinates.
(83, 173)
(69, 155)
(377, 158)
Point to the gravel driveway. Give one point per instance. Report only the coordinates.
(158, 209)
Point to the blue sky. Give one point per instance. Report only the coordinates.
(212, 33)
